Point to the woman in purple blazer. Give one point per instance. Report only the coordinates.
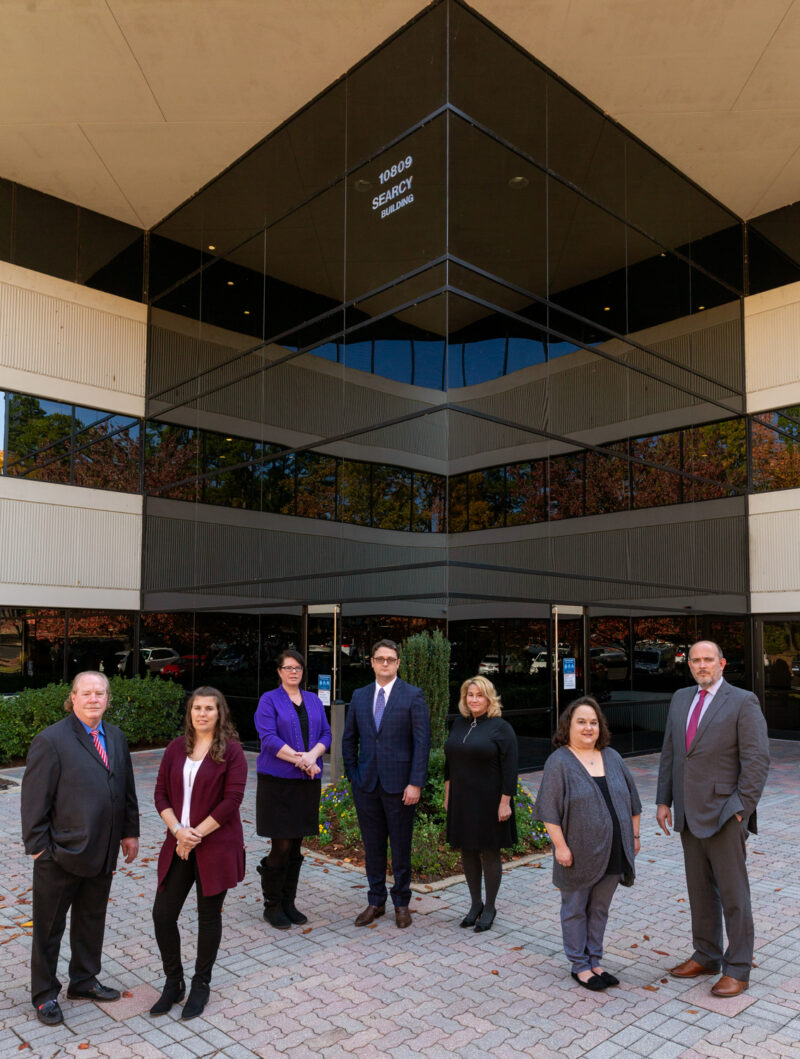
(199, 789)
(294, 733)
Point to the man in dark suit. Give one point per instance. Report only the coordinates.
(78, 807)
(714, 765)
(385, 748)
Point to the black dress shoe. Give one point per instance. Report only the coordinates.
(93, 992)
(609, 979)
(49, 1013)
(173, 993)
(486, 919)
(196, 1002)
(471, 918)
(595, 983)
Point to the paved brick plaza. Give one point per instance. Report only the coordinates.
(432, 990)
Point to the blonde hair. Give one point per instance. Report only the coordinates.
(487, 688)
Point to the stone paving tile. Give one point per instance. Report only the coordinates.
(432, 991)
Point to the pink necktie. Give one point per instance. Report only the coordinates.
(694, 720)
(99, 747)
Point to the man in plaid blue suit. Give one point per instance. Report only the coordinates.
(385, 748)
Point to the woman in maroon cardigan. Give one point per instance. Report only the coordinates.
(199, 789)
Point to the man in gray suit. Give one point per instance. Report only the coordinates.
(714, 765)
(78, 808)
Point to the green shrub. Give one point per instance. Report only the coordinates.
(148, 710)
(425, 663)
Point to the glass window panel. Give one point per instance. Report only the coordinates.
(769, 264)
(525, 493)
(233, 290)
(354, 492)
(429, 494)
(716, 451)
(45, 233)
(6, 198)
(396, 211)
(110, 255)
(659, 643)
(653, 487)
(486, 498)
(171, 261)
(276, 478)
(400, 84)
(391, 497)
(106, 453)
(457, 504)
(31, 648)
(477, 53)
(315, 484)
(566, 485)
(171, 460)
(97, 640)
(39, 438)
(776, 450)
(237, 487)
(498, 209)
(607, 481)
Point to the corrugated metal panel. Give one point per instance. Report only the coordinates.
(773, 347)
(65, 340)
(775, 551)
(45, 544)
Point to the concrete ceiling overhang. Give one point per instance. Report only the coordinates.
(129, 106)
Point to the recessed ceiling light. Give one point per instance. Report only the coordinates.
(700, 307)
(230, 282)
(211, 246)
(606, 308)
(518, 182)
(229, 439)
(362, 185)
(247, 312)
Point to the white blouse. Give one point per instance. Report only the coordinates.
(189, 775)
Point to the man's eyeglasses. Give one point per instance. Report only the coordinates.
(384, 660)
(291, 669)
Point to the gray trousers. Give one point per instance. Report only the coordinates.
(584, 914)
(716, 878)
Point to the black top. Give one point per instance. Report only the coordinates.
(617, 863)
(302, 716)
(481, 764)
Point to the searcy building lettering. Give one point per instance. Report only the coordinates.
(402, 187)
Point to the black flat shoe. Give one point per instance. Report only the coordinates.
(49, 1013)
(173, 993)
(471, 918)
(486, 920)
(595, 983)
(609, 979)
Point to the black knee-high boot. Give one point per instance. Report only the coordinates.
(289, 891)
(272, 880)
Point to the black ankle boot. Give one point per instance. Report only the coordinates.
(271, 887)
(196, 1003)
(289, 891)
(173, 993)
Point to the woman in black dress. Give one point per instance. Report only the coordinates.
(294, 734)
(480, 779)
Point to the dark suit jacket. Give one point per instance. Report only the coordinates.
(726, 767)
(218, 791)
(72, 805)
(397, 755)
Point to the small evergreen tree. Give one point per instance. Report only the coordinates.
(425, 663)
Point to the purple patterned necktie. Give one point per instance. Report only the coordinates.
(99, 747)
(380, 706)
(694, 720)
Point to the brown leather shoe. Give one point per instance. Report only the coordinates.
(728, 986)
(369, 915)
(402, 917)
(691, 969)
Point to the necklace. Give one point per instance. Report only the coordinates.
(579, 755)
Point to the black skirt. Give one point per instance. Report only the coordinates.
(287, 808)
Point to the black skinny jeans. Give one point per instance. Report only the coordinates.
(166, 909)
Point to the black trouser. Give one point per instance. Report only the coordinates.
(55, 891)
(166, 909)
(381, 817)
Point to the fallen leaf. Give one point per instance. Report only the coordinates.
(646, 937)
(517, 948)
(692, 1011)
(308, 930)
(634, 946)
(651, 988)
(778, 889)
(681, 900)
(495, 972)
(127, 994)
(757, 852)
(83, 1046)
(660, 952)
(23, 1046)
(664, 981)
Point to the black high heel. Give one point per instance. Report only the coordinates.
(485, 921)
(173, 993)
(471, 918)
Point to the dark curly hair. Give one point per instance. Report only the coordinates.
(561, 738)
(225, 730)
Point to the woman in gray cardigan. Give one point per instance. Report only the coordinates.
(590, 806)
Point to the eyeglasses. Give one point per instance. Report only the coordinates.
(291, 669)
(384, 660)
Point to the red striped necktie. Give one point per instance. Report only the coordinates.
(99, 747)
(694, 720)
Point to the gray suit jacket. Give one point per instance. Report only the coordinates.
(73, 807)
(726, 767)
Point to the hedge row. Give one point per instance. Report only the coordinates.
(148, 710)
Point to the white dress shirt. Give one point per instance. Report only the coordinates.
(710, 693)
(387, 690)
